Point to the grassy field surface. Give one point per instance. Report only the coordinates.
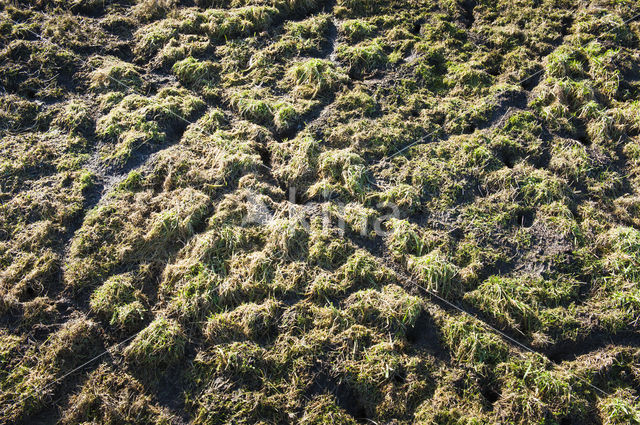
(320, 212)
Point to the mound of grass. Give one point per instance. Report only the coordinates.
(356, 30)
(259, 107)
(159, 345)
(405, 197)
(119, 302)
(295, 161)
(322, 409)
(27, 387)
(383, 369)
(363, 270)
(112, 74)
(195, 73)
(533, 390)
(619, 409)
(17, 113)
(113, 397)
(356, 101)
(137, 121)
(315, 77)
(469, 342)
(147, 10)
(327, 249)
(405, 239)
(533, 187)
(436, 273)
(390, 309)
(251, 321)
(362, 58)
(518, 301)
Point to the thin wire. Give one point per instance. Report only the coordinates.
(72, 371)
(460, 309)
(494, 329)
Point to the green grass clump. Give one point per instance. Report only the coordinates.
(138, 121)
(334, 164)
(27, 388)
(119, 302)
(625, 252)
(389, 309)
(286, 117)
(194, 73)
(363, 58)
(194, 296)
(288, 239)
(251, 106)
(469, 342)
(232, 23)
(47, 62)
(315, 77)
(405, 239)
(327, 248)
(314, 27)
(382, 369)
(356, 101)
(107, 240)
(456, 400)
(436, 273)
(159, 345)
(356, 7)
(241, 359)
(571, 160)
(322, 410)
(531, 186)
(178, 222)
(208, 252)
(191, 283)
(403, 196)
(74, 118)
(257, 106)
(113, 74)
(182, 47)
(245, 363)
(16, 112)
(113, 397)
(251, 321)
(617, 297)
(147, 10)
(295, 161)
(518, 301)
(356, 30)
(619, 408)
(363, 271)
(360, 219)
(10, 348)
(342, 172)
(153, 37)
(326, 287)
(465, 79)
(533, 391)
(617, 302)
(431, 66)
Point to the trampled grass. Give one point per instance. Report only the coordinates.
(278, 211)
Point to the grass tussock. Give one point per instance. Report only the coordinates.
(159, 345)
